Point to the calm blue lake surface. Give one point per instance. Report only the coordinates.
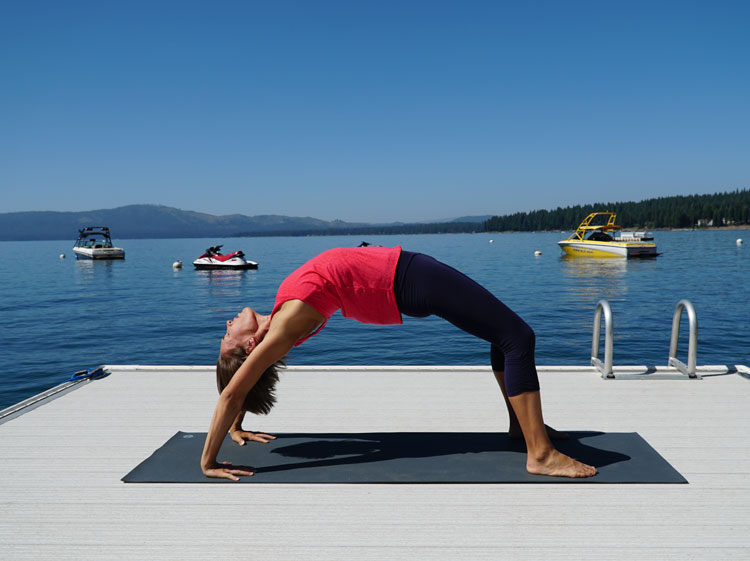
(62, 315)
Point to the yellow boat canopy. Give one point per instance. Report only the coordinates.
(586, 225)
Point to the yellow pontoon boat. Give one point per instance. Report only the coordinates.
(594, 239)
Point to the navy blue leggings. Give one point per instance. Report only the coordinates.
(424, 286)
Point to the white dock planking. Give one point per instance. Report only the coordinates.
(61, 496)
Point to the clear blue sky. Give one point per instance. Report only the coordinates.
(367, 110)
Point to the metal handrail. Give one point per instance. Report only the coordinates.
(606, 367)
(688, 368)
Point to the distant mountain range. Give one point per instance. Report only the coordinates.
(156, 221)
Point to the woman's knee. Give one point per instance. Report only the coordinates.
(524, 338)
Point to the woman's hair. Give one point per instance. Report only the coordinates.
(262, 397)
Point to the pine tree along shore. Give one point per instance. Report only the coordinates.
(684, 211)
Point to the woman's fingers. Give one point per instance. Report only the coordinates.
(241, 472)
(229, 472)
(220, 474)
(241, 436)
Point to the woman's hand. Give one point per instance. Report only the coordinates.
(241, 436)
(225, 470)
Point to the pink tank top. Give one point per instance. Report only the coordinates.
(358, 281)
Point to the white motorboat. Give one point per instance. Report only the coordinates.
(95, 242)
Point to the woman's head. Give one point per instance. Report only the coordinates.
(241, 332)
(262, 397)
(244, 332)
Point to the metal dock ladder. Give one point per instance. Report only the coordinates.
(685, 370)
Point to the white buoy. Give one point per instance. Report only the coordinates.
(537, 253)
(62, 256)
(739, 241)
(177, 264)
(492, 241)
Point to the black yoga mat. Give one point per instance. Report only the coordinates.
(405, 457)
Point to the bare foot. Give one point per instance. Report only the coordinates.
(516, 434)
(558, 464)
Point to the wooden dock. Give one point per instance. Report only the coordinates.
(61, 496)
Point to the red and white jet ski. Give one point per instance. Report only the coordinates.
(214, 259)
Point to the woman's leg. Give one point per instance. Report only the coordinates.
(541, 457)
(424, 286)
(514, 428)
(427, 287)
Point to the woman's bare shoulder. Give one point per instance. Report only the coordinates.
(297, 317)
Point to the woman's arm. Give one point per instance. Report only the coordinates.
(272, 348)
(294, 320)
(237, 424)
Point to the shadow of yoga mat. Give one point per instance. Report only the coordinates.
(405, 457)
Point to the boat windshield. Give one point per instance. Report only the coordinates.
(599, 236)
(95, 243)
(94, 239)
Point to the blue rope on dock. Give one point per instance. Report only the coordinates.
(91, 373)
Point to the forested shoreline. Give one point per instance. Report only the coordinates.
(683, 211)
(720, 210)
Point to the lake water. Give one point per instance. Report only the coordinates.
(62, 315)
